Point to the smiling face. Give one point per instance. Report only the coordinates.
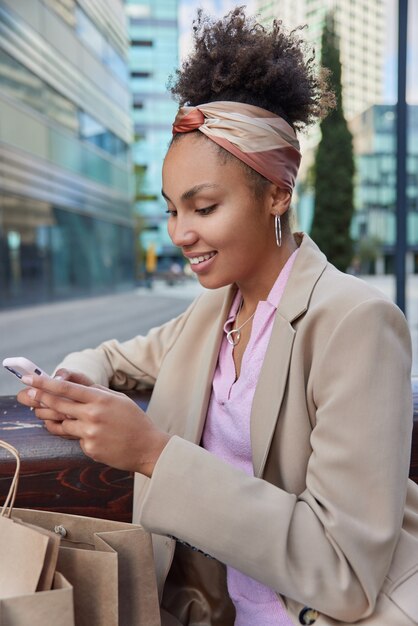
(224, 230)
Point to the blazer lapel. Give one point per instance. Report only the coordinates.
(268, 397)
(205, 372)
(269, 391)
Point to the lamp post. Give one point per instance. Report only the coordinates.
(401, 151)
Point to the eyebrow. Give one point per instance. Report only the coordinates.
(187, 195)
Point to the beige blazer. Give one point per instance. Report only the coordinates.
(324, 520)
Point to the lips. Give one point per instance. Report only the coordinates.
(195, 260)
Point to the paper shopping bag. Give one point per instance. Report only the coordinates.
(28, 555)
(110, 565)
(28, 558)
(43, 608)
(32, 593)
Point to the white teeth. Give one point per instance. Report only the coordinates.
(198, 259)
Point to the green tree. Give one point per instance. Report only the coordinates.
(334, 166)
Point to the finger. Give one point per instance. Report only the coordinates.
(64, 388)
(63, 374)
(58, 405)
(23, 398)
(49, 414)
(55, 428)
(72, 428)
(75, 377)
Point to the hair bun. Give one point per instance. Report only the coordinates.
(237, 59)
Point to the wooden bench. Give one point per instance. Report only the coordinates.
(56, 475)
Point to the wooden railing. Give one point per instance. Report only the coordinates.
(56, 475)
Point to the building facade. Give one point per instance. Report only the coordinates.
(66, 191)
(291, 12)
(374, 224)
(360, 25)
(153, 57)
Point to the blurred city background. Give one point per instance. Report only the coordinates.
(85, 121)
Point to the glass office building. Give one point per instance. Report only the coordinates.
(375, 218)
(153, 57)
(360, 27)
(66, 224)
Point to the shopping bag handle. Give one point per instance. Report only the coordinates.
(6, 510)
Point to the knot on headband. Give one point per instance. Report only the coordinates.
(259, 138)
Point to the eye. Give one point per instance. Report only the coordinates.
(206, 210)
(171, 213)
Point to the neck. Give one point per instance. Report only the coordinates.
(259, 286)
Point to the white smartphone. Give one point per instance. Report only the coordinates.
(19, 366)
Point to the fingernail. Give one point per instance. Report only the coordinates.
(32, 393)
(27, 380)
(31, 408)
(58, 378)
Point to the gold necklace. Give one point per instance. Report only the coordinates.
(234, 335)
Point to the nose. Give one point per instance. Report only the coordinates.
(181, 232)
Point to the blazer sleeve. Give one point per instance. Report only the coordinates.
(131, 364)
(329, 547)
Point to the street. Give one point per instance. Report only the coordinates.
(46, 333)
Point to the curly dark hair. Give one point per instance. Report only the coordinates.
(237, 59)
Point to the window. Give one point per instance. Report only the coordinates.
(115, 62)
(90, 34)
(61, 109)
(48, 252)
(92, 37)
(142, 43)
(20, 83)
(96, 134)
(141, 74)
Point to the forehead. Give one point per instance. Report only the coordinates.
(193, 158)
(194, 146)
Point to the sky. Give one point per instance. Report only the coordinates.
(221, 7)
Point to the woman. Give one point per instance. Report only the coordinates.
(277, 439)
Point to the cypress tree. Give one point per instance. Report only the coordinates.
(334, 167)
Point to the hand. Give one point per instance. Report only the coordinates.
(111, 428)
(48, 414)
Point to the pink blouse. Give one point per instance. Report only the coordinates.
(227, 435)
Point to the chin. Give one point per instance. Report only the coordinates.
(212, 282)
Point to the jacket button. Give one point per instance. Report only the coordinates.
(308, 616)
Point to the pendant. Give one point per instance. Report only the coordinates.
(233, 337)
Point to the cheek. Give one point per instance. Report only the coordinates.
(241, 243)
(248, 230)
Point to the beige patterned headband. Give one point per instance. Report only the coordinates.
(259, 138)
